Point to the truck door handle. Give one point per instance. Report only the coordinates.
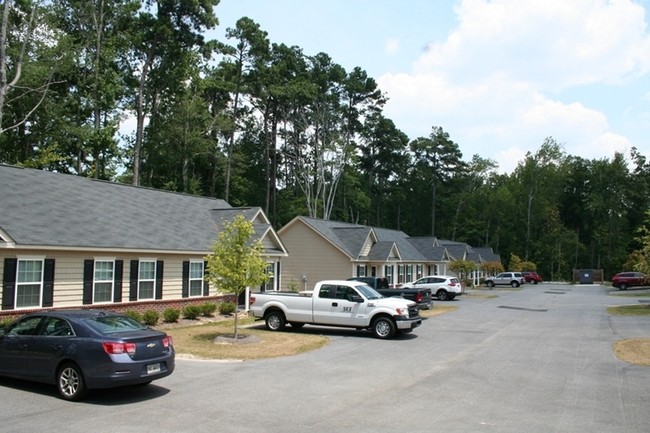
(335, 304)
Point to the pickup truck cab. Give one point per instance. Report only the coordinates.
(422, 296)
(351, 304)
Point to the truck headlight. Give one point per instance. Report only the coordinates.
(403, 312)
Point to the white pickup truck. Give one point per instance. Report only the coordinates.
(350, 304)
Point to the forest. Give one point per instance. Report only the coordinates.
(259, 123)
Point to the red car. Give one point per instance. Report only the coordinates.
(623, 280)
(532, 277)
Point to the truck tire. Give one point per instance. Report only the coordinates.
(383, 327)
(514, 283)
(275, 320)
(490, 284)
(442, 295)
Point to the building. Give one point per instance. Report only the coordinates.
(321, 249)
(70, 241)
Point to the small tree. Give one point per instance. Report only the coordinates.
(463, 268)
(236, 261)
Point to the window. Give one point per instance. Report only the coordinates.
(409, 273)
(103, 281)
(270, 284)
(400, 274)
(196, 278)
(419, 269)
(361, 270)
(388, 272)
(146, 279)
(29, 283)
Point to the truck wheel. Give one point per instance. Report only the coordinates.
(383, 327)
(515, 284)
(442, 295)
(490, 284)
(275, 321)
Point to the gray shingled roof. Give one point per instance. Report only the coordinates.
(46, 209)
(351, 238)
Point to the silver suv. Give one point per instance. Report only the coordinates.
(444, 287)
(514, 279)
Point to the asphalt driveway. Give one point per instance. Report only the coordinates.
(534, 360)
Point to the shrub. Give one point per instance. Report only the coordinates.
(171, 315)
(191, 312)
(226, 308)
(208, 309)
(133, 315)
(150, 317)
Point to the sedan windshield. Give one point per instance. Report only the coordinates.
(113, 324)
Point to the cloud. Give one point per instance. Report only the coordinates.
(496, 83)
(392, 46)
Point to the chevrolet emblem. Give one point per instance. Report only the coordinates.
(151, 345)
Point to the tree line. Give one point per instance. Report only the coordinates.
(264, 124)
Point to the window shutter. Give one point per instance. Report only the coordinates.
(9, 284)
(89, 266)
(48, 283)
(159, 279)
(206, 285)
(185, 292)
(117, 280)
(133, 281)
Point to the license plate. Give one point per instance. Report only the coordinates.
(153, 368)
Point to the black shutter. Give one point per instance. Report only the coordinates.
(133, 281)
(89, 266)
(48, 283)
(159, 279)
(118, 276)
(206, 285)
(185, 291)
(9, 284)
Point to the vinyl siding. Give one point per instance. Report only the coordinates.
(311, 255)
(68, 273)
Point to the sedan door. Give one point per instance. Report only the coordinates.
(16, 345)
(48, 347)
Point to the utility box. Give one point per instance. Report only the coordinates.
(586, 276)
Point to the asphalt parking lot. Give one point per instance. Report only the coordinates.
(537, 359)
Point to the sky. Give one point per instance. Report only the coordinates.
(499, 76)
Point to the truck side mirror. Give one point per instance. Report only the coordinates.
(356, 298)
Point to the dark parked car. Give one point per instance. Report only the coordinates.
(623, 280)
(532, 277)
(78, 350)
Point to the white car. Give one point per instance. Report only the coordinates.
(444, 287)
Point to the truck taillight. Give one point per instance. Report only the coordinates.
(418, 297)
(251, 300)
(117, 348)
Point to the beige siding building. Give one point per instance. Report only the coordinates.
(69, 241)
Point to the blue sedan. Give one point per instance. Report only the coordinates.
(80, 350)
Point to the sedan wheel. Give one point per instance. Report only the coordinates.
(70, 382)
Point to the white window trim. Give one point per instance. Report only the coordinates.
(112, 281)
(190, 279)
(40, 294)
(153, 294)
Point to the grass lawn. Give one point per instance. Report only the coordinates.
(204, 342)
(630, 310)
